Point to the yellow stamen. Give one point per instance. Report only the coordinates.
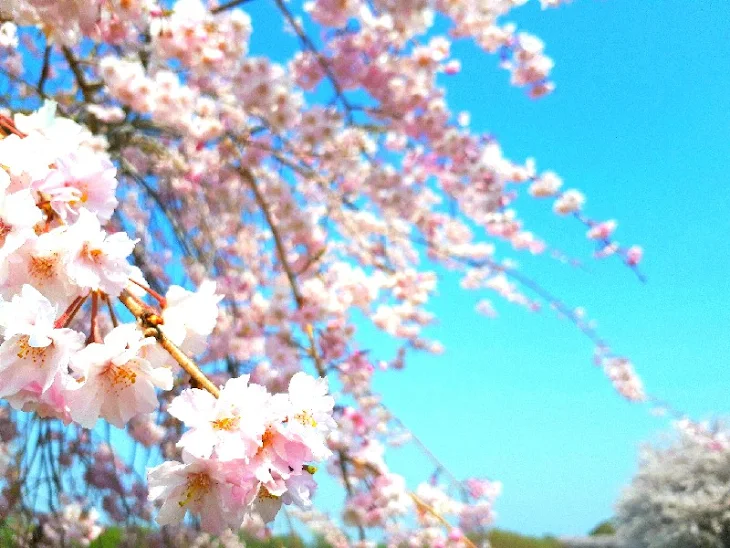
(198, 486)
(37, 355)
(264, 494)
(43, 267)
(226, 423)
(306, 419)
(117, 375)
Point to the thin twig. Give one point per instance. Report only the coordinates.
(250, 180)
(151, 323)
(45, 69)
(309, 44)
(87, 89)
(425, 507)
(228, 5)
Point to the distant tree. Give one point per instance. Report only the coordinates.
(680, 497)
(604, 528)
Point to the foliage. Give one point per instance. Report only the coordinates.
(603, 528)
(506, 539)
(110, 538)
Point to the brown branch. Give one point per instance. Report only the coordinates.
(309, 44)
(45, 69)
(151, 323)
(421, 505)
(87, 89)
(348, 487)
(250, 180)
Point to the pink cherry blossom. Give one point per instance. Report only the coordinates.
(197, 486)
(41, 262)
(115, 383)
(634, 255)
(34, 350)
(602, 231)
(97, 260)
(311, 418)
(18, 217)
(191, 316)
(569, 201)
(232, 425)
(81, 180)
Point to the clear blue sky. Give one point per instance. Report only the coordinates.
(640, 122)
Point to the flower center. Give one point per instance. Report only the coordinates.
(93, 254)
(264, 494)
(267, 439)
(226, 423)
(197, 487)
(120, 375)
(81, 192)
(42, 267)
(25, 350)
(4, 231)
(306, 419)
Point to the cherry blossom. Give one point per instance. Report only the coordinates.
(81, 180)
(97, 260)
(34, 350)
(18, 217)
(232, 424)
(115, 383)
(194, 485)
(190, 317)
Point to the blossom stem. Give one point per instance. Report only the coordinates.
(65, 318)
(109, 306)
(429, 454)
(94, 334)
(154, 294)
(9, 125)
(228, 5)
(151, 323)
(348, 487)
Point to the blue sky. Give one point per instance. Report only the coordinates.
(640, 122)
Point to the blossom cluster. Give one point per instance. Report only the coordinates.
(247, 451)
(75, 525)
(58, 192)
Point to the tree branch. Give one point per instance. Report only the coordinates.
(151, 323)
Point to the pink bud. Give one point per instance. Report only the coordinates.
(634, 255)
(452, 67)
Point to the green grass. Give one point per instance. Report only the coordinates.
(112, 536)
(507, 539)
